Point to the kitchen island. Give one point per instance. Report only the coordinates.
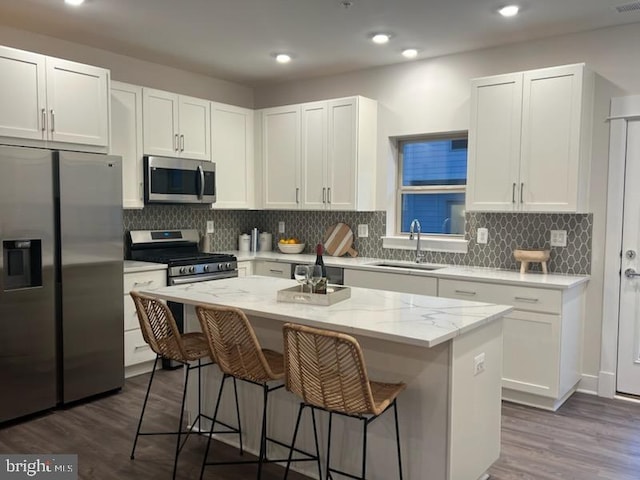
(449, 352)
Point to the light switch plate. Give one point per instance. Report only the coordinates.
(363, 230)
(280, 227)
(483, 236)
(558, 238)
(210, 226)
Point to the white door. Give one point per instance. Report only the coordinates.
(342, 164)
(281, 157)
(160, 123)
(314, 155)
(628, 377)
(232, 152)
(78, 102)
(22, 94)
(195, 133)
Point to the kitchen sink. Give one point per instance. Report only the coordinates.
(411, 266)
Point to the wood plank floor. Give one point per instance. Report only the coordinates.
(588, 438)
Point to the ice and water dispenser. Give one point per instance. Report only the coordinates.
(22, 261)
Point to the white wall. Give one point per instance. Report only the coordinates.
(132, 70)
(433, 96)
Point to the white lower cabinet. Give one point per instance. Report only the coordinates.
(245, 269)
(395, 282)
(272, 269)
(542, 338)
(138, 356)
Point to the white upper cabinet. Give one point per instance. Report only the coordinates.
(126, 140)
(281, 157)
(529, 137)
(232, 152)
(335, 167)
(176, 125)
(55, 101)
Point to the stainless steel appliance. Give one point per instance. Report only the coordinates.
(179, 180)
(179, 250)
(60, 278)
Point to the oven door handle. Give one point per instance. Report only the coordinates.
(201, 172)
(201, 278)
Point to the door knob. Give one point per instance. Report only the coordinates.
(630, 254)
(631, 273)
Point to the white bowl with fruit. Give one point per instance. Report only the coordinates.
(290, 245)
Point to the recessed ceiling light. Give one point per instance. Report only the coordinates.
(283, 58)
(410, 53)
(380, 38)
(509, 10)
(75, 3)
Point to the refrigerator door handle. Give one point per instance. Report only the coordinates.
(201, 172)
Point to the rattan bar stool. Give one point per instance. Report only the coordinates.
(234, 346)
(327, 370)
(160, 332)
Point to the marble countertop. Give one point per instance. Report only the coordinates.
(399, 317)
(133, 266)
(477, 274)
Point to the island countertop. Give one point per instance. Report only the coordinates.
(404, 318)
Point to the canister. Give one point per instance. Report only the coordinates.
(244, 242)
(265, 242)
(255, 238)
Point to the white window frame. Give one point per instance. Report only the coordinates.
(426, 189)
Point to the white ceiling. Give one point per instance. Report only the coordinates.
(235, 39)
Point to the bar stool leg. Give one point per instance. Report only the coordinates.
(184, 396)
(235, 392)
(213, 423)
(315, 437)
(144, 406)
(199, 395)
(329, 477)
(293, 441)
(364, 449)
(263, 436)
(395, 414)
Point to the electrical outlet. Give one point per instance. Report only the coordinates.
(478, 364)
(363, 230)
(483, 235)
(210, 226)
(558, 238)
(280, 227)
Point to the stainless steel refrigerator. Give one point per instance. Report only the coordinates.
(61, 278)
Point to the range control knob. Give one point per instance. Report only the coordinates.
(228, 266)
(206, 268)
(220, 266)
(192, 269)
(183, 270)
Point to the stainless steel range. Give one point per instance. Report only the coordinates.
(179, 250)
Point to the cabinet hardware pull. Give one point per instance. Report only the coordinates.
(53, 121)
(329, 195)
(182, 143)
(513, 193)
(297, 195)
(176, 142)
(140, 347)
(44, 119)
(527, 299)
(324, 195)
(465, 292)
(142, 284)
(521, 190)
(141, 186)
(275, 271)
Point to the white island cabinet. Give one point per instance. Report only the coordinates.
(450, 412)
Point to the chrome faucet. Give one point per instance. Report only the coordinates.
(415, 225)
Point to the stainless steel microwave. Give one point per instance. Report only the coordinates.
(179, 180)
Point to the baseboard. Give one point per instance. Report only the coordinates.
(588, 384)
(607, 384)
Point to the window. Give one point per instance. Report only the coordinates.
(432, 180)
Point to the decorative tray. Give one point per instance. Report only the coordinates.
(334, 294)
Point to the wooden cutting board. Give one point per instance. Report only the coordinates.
(338, 240)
